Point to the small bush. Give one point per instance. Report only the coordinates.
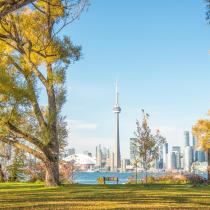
(196, 180)
(193, 179)
(151, 180)
(166, 179)
(67, 170)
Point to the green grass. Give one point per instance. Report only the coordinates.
(36, 196)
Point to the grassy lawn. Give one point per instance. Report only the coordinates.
(35, 196)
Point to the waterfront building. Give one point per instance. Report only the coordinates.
(177, 150)
(117, 155)
(188, 158)
(195, 155)
(172, 161)
(200, 156)
(81, 162)
(194, 142)
(187, 138)
(123, 165)
(112, 161)
(158, 164)
(182, 160)
(165, 156)
(98, 157)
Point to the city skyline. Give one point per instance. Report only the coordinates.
(162, 65)
(113, 146)
(189, 158)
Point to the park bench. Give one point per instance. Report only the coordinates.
(103, 180)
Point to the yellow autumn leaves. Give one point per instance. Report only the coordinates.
(202, 133)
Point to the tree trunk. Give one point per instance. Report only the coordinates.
(136, 175)
(52, 174)
(2, 176)
(208, 168)
(52, 171)
(146, 176)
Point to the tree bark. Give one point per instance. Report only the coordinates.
(52, 174)
(208, 168)
(2, 176)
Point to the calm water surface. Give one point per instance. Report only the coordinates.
(91, 177)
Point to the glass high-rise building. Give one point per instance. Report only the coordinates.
(186, 138)
(188, 158)
(172, 162)
(194, 141)
(177, 151)
(165, 155)
(201, 156)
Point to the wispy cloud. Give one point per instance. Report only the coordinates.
(81, 125)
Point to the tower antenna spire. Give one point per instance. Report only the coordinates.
(117, 93)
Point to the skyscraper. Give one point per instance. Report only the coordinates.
(165, 156)
(177, 151)
(117, 110)
(186, 138)
(172, 162)
(188, 158)
(194, 141)
(112, 161)
(98, 157)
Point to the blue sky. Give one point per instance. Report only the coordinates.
(158, 50)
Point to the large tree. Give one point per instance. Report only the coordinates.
(33, 64)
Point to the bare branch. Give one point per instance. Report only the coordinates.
(24, 135)
(9, 6)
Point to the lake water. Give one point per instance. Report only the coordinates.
(91, 177)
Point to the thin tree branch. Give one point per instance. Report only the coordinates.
(7, 6)
(24, 135)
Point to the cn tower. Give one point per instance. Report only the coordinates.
(117, 110)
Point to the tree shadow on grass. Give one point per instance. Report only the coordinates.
(123, 194)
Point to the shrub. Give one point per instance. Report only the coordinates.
(16, 169)
(151, 180)
(193, 179)
(67, 170)
(196, 180)
(35, 172)
(167, 179)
